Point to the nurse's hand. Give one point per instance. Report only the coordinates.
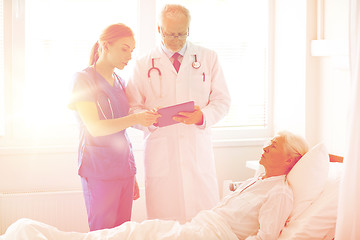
(146, 118)
(136, 190)
(195, 117)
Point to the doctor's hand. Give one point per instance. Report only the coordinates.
(146, 118)
(195, 117)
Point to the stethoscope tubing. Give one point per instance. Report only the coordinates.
(112, 113)
(195, 65)
(149, 77)
(108, 99)
(153, 68)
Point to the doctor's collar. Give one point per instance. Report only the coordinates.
(169, 53)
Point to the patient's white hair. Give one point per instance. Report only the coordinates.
(294, 145)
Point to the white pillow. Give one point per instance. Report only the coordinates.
(308, 177)
(318, 221)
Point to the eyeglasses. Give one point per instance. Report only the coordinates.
(172, 37)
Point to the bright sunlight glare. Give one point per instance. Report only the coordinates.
(57, 46)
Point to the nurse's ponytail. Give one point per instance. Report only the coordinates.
(110, 34)
(94, 55)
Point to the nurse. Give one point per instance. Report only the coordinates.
(105, 157)
(180, 176)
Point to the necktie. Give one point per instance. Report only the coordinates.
(176, 62)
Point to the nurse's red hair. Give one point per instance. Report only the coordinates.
(110, 35)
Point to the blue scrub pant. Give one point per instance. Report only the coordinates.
(108, 202)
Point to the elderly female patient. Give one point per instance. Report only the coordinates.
(258, 208)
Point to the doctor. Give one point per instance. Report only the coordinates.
(180, 176)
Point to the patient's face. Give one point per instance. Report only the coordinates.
(274, 155)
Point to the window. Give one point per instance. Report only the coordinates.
(51, 40)
(57, 37)
(61, 45)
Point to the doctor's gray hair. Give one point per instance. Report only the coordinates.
(294, 145)
(173, 10)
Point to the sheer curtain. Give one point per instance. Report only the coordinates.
(348, 221)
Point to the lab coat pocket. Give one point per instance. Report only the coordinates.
(105, 163)
(157, 157)
(201, 87)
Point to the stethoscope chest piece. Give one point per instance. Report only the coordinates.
(196, 65)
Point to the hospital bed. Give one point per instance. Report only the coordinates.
(315, 182)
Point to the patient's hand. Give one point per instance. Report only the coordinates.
(234, 185)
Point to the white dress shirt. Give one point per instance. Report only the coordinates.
(258, 209)
(170, 53)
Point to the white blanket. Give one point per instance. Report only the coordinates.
(205, 226)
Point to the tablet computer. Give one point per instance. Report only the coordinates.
(167, 113)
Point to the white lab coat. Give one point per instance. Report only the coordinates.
(180, 176)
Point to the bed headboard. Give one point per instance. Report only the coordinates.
(335, 158)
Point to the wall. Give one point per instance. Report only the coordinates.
(334, 73)
(28, 170)
(290, 69)
(311, 71)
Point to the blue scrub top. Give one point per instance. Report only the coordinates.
(107, 157)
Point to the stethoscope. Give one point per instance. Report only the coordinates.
(101, 110)
(103, 93)
(195, 65)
